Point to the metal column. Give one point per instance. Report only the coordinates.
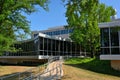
(109, 40)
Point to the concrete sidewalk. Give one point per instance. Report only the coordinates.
(53, 72)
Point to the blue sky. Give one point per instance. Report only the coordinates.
(42, 19)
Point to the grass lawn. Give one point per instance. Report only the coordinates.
(7, 70)
(89, 69)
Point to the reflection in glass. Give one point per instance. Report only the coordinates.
(114, 36)
(105, 51)
(115, 51)
(104, 37)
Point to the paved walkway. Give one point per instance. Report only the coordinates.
(54, 71)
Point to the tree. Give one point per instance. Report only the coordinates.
(13, 23)
(83, 17)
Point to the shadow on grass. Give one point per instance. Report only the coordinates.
(21, 75)
(27, 65)
(95, 65)
(15, 76)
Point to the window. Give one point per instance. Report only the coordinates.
(35, 35)
(58, 32)
(53, 32)
(104, 37)
(114, 36)
(105, 51)
(70, 31)
(115, 51)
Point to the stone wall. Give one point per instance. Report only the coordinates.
(115, 64)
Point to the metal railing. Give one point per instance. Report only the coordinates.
(49, 74)
(54, 73)
(37, 73)
(28, 73)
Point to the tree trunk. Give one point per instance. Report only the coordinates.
(92, 52)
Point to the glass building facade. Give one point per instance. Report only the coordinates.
(110, 40)
(56, 32)
(46, 46)
(59, 32)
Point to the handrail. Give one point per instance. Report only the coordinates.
(58, 69)
(50, 60)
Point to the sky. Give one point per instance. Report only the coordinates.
(42, 20)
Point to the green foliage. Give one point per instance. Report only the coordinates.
(105, 12)
(13, 24)
(78, 60)
(5, 43)
(93, 64)
(83, 17)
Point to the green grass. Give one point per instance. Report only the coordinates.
(93, 64)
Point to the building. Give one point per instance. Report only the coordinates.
(59, 31)
(42, 45)
(110, 42)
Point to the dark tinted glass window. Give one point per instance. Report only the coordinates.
(115, 51)
(70, 30)
(105, 51)
(35, 35)
(114, 36)
(104, 37)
